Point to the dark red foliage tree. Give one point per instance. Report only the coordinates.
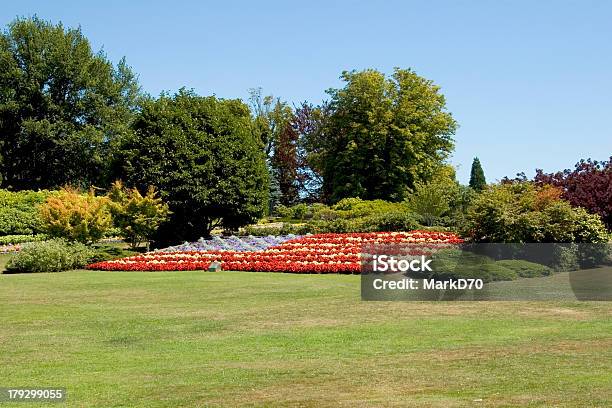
(589, 186)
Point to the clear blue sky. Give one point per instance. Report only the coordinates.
(530, 82)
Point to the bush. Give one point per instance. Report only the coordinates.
(521, 212)
(19, 212)
(19, 239)
(588, 185)
(392, 221)
(525, 269)
(458, 264)
(50, 256)
(106, 252)
(137, 216)
(76, 217)
(430, 202)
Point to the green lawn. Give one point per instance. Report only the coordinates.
(231, 338)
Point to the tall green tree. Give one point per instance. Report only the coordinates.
(203, 156)
(477, 176)
(273, 122)
(62, 106)
(383, 135)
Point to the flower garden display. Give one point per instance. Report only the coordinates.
(319, 253)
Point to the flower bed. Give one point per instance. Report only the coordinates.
(319, 253)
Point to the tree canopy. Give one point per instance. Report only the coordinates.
(62, 106)
(203, 156)
(382, 135)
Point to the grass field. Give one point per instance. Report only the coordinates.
(261, 339)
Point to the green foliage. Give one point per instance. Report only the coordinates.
(62, 106)
(19, 212)
(391, 221)
(457, 264)
(525, 269)
(108, 252)
(430, 202)
(349, 215)
(50, 256)
(137, 216)
(477, 177)
(76, 217)
(381, 135)
(205, 159)
(273, 125)
(19, 239)
(522, 212)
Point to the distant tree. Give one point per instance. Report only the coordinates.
(275, 194)
(62, 106)
(589, 186)
(382, 135)
(272, 123)
(203, 157)
(307, 122)
(477, 176)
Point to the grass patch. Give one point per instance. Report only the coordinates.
(231, 338)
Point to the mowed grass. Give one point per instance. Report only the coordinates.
(263, 339)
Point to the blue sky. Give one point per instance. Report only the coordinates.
(528, 81)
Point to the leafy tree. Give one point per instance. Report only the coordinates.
(307, 123)
(382, 135)
(273, 124)
(75, 216)
(137, 216)
(589, 186)
(202, 155)
(275, 194)
(62, 106)
(285, 163)
(477, 176)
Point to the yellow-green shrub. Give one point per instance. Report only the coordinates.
(76, 216)
(137, 216)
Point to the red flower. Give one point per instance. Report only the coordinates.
(320, 253)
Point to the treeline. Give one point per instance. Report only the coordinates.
(69, 116)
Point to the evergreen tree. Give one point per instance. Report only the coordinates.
(477, 176)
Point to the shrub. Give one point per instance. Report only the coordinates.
(137, 216)
(430, 202)
(19, 239)
(392, 221)
(105, 252)
(76, 217)
(522, 212)
(19, 212)
(525, 269)
(457, 264)
(588, 185)
(50, 256)
(260, 231)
